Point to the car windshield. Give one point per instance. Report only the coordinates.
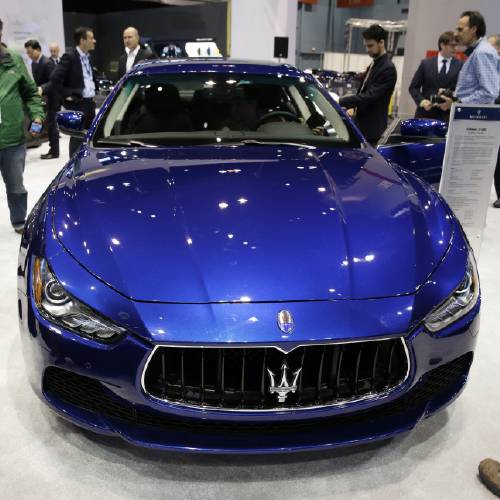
(211, 108)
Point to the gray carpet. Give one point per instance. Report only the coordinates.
(42, 456)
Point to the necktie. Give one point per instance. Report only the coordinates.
(443, 68)
(442, 80)
(365, 79)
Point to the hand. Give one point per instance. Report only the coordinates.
(426, 104)
(36, 134)
(446, 105)
(350, 112)
(319, 131)
(40, 91)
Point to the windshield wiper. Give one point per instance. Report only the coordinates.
(126, 142)
(255, 142)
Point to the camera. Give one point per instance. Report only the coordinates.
(438, 99)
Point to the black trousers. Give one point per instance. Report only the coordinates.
(87, 107)
(497, 176)
(52, 108)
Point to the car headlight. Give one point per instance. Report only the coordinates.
(459, 303)
(58, 306)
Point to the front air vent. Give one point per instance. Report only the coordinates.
(265, 378)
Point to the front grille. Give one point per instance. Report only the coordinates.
(265, 378)
(89, 394)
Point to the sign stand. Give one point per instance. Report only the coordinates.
(469, 164)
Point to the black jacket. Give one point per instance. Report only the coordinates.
(426, 82)
(41, 71)
(372, 99)
(142, 55)
(67, 77)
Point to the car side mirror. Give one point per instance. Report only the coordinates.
(71, 123)
(423, 127)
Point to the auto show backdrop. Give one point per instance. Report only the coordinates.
(27, 19)
(255, 24)
(207, 20)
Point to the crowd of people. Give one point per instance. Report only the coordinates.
(69, 81)
(438, 82)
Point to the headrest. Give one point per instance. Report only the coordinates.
(161, 97)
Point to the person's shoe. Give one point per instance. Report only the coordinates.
(49, 156)
(489, 472)
(18, 228)
(497, 203)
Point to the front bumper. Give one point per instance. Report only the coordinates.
(99, 387)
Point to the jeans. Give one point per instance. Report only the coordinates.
(12, 161)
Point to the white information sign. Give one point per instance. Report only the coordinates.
(469, 164)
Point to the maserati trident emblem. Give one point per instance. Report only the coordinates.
(284, 386)
(285, 322)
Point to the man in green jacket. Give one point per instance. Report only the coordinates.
(18, 94)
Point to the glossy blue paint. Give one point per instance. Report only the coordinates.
(423, 159)
(419, 127)
(205, 245)
(418, 148)
(70, 121)
(201, 213)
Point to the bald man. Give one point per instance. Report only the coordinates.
(133, 51)
(54, 52)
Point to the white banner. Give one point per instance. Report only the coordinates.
(469, 164)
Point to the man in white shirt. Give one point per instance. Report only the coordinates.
(434, 73)
(133, 51)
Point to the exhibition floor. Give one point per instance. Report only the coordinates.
(42, 456)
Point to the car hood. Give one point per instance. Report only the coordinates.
(249, 223)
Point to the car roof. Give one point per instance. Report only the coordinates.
(218, 65)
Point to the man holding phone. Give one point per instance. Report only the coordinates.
(18, 92)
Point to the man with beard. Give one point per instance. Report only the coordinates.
(369, 106)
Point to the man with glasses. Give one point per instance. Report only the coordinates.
(478, 82)
(433, 74)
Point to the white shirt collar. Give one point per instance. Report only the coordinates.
(441, 59)
(81, 52)
(131, 53)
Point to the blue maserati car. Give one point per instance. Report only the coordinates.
(226, 266)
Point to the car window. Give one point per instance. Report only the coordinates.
(206, 108)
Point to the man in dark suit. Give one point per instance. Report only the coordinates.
(370, 104)
(434, 73)
(41, 69)
(54, 52)
(134, 53)
(74, 80)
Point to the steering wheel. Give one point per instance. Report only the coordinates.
(285, 114)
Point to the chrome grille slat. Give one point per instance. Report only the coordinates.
(237, 378)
